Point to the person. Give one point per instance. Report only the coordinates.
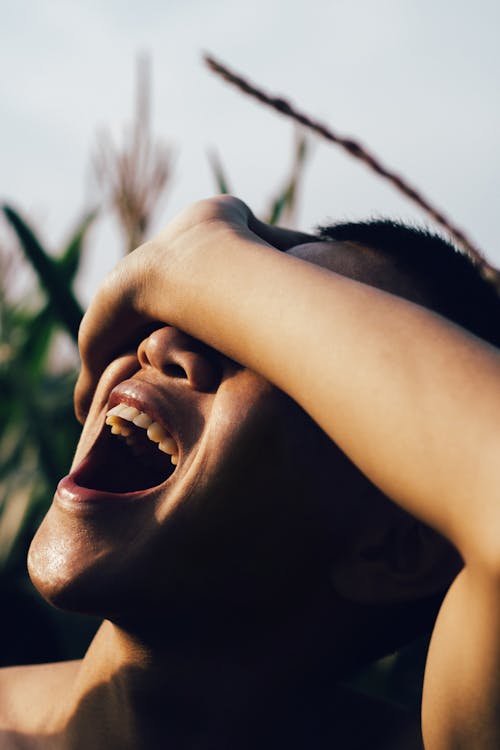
(303, 462)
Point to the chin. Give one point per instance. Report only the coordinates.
(110, 564)
(56, 575)
(69, 572)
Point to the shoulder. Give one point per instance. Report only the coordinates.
(28, 695)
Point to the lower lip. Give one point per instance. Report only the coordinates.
(71, 494)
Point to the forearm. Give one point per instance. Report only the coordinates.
(461, 699)
(412, 399)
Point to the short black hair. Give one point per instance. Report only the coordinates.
(451, 282)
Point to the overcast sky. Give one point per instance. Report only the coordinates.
(416, 80)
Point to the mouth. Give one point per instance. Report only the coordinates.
(133, 453)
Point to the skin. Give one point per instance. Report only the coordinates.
(417, 440)
(269, 619)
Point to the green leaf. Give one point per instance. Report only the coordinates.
(62, 300)
(70, 257)
(286, 200)
(35, 348)
(218, 172)
(277, 208)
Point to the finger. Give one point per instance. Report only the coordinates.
(100, 339)
(84, 390)
(122, 332)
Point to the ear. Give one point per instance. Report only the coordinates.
(394, 560)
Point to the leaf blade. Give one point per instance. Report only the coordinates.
(50, 277)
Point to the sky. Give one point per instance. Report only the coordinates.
(415, 80)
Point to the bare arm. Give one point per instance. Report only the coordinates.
(411, 398)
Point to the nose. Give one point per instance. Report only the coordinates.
(178, 355)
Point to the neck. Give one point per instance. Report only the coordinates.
(225, 681)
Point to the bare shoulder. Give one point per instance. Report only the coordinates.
(28, 693)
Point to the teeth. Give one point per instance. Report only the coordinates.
(121, 417)
(119, 427)
(167, 445)
(156, 433)
(129, 413)
(115, 411)
(142, 420)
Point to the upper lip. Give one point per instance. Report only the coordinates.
(143, 396)
(147, 398)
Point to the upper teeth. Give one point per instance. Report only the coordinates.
(121, 414)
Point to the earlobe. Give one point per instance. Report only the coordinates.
(407, 560)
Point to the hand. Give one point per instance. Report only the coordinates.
(145, 288)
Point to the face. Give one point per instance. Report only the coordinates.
(250, 509)
(231, 517)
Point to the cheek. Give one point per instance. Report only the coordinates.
(251, 496)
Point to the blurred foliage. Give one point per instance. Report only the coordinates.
(39, 431)
(283, 206)
(134, 177)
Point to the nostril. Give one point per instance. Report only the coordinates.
(180, 357)
(175, 371)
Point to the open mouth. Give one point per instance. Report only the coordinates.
(131, 454)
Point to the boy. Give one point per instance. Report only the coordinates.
(252, 558)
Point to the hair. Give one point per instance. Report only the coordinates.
(448, 281)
